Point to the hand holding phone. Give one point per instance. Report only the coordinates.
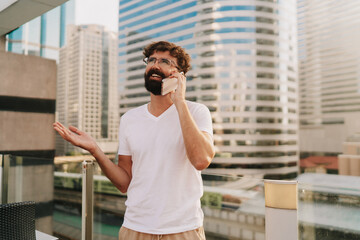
(168, 85)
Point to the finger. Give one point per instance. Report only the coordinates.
(58, 127)
(63, 133)
(58, 124)
(75, 130)
(61, 128)
(60, 131)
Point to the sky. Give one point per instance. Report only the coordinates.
(103, 12)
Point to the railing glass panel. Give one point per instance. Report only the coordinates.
(29, 179)
(234, 207)
(329, 206)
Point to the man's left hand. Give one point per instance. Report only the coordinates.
(179, 94)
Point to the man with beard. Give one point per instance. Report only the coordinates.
(163, 146)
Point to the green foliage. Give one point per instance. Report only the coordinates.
(212, 200)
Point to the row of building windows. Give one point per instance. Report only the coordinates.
(322, 121)
(263, 154)
(242, 97)
(334, 105)
(254, 120)
(254, 109)
(254, 142)
(257, 131)
(252, 166)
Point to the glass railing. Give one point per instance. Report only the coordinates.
(108, 202)
(234, 207)
(29, 179)
(328, 206)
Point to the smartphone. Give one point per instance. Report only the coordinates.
(169, 85)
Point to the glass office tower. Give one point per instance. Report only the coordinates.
(329, 74)
(244, 69)
(44, 35)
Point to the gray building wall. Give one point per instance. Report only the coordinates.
(27, 111)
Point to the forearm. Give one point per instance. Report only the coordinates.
(199, 147)
(117, 175)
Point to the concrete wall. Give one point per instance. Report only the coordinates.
(27, 111)
(26, 131)
(27, 76)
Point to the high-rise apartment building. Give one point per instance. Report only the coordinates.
(44, 35)
(87, 87)
(329, 74)
(244, 69)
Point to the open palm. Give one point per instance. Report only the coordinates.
(75, 137)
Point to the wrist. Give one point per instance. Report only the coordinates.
(180, 102)
(94, 150)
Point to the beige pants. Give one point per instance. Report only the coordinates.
(128, 234)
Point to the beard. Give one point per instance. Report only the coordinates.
(153, 86)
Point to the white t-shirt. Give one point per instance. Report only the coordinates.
(165, 190)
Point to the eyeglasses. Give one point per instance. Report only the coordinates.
(163, 62)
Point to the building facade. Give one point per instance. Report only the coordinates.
(349, 160)
(87, 86)
(244, 69)
(44, 35)
(329, 74)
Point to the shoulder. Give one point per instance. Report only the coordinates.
(195, 106)
(134, 112)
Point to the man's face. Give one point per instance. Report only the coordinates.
(160, 65)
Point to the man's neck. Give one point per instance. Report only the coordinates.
(159, 104)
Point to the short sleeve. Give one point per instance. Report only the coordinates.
(203, 119)
(123, 143)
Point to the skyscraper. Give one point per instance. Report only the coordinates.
(329, 74)
(44, 35)
(87, 87)
(244, 69)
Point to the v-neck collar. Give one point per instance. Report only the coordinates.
(166, 112)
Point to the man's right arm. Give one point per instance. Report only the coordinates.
(120, 175)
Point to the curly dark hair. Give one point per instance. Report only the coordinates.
(183, 59)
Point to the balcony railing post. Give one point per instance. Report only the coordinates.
(5, 165)
(87, 200)
(281, 203)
